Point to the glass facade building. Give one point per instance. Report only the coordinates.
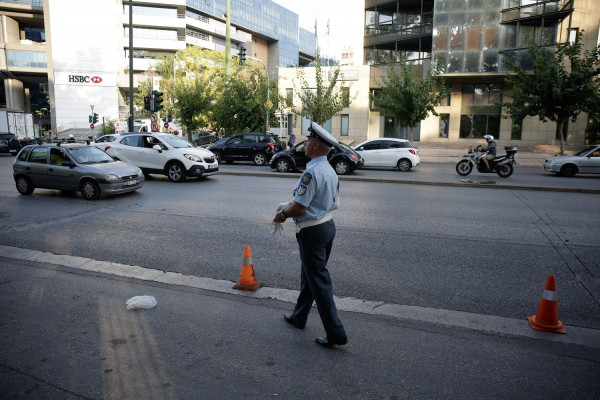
(268, 19)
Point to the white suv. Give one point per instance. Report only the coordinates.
(389, 152)
(162, 153)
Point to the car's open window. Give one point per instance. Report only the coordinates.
(595, 153)
(57, 156)
(300, 148)
(234, 140)
(39, 155)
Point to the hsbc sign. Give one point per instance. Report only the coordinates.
(70, 78)
(84, 79)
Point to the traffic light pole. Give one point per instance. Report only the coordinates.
(130, 122)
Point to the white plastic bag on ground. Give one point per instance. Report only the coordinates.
(141, 302)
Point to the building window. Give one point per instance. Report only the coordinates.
(444, 125)
(289, 97)
(26, 59)
(481, 110)
(573, 35)
(345, 124)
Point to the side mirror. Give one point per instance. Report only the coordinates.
(157, 147)
(67, 163)
(360, 148)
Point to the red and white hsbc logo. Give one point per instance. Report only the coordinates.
(84, 79)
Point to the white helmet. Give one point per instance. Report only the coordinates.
(488, 138)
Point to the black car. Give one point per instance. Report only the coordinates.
(342, 158)
(251, 146)
(9, 143)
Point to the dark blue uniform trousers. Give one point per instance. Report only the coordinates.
(315, 244)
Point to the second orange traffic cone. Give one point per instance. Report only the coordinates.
(247, 279)
(546, 318)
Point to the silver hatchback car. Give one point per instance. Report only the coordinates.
(74, 167)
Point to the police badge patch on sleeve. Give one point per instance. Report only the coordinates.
(306, 178)
(301, 190)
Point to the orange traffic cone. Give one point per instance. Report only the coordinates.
(247, 279)
(546, 318)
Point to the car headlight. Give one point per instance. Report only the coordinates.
(192, 157)
(112, 177)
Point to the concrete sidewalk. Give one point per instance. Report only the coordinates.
(67, 335)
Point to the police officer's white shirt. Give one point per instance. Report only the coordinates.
(317, 189)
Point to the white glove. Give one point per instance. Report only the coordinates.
(277, 227)
(281, 206)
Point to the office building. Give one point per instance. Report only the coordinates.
(473, 38)
(74, 54)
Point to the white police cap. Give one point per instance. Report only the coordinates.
(320, 133)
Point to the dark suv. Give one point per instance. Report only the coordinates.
(9, 143)
(251, 146)
(342, 158)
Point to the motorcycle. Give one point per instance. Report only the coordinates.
(501, 165)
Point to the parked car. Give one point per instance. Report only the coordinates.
(162, 153)
(587, 161)
(74, 167)
(251, 146)
(389, 153)
(342, 158)
(9, 143)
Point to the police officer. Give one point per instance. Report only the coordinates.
(315, 196)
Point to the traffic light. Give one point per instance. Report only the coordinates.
(90, 118)
(95, 118)
(147, 102)
(242, 55)
(157, 100)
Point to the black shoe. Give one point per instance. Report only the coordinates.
(329, 343)
(290, 320)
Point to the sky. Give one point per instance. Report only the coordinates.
(346, 22)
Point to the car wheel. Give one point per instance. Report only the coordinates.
(217, 156)
(404, 165)
(341, 167)
(175, 172)
(504, 171)
(464, 167)
(260, 158)
(568, 170)
(283, 165)
(24, 185)
(90, 190)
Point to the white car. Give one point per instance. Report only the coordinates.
(389, 152)
(587, 161)
(162, 153)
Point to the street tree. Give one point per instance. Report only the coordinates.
(138, 99)
(241, 104)
(407, 95)
(195, 96)
(327, 99)
(555, 86)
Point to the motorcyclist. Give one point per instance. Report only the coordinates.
(491, 150)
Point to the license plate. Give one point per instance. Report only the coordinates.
(131, 183)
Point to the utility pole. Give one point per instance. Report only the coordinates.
(227, 39)
(130, 122)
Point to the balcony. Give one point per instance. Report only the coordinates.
(381, 34)
(543, 12)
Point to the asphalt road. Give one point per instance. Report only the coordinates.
(445, 248)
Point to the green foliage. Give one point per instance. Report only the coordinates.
(241, 106)
(407, 96)
(138, 99)
(326, 100)
(108, 127)
(194, 101)
(558, 87)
